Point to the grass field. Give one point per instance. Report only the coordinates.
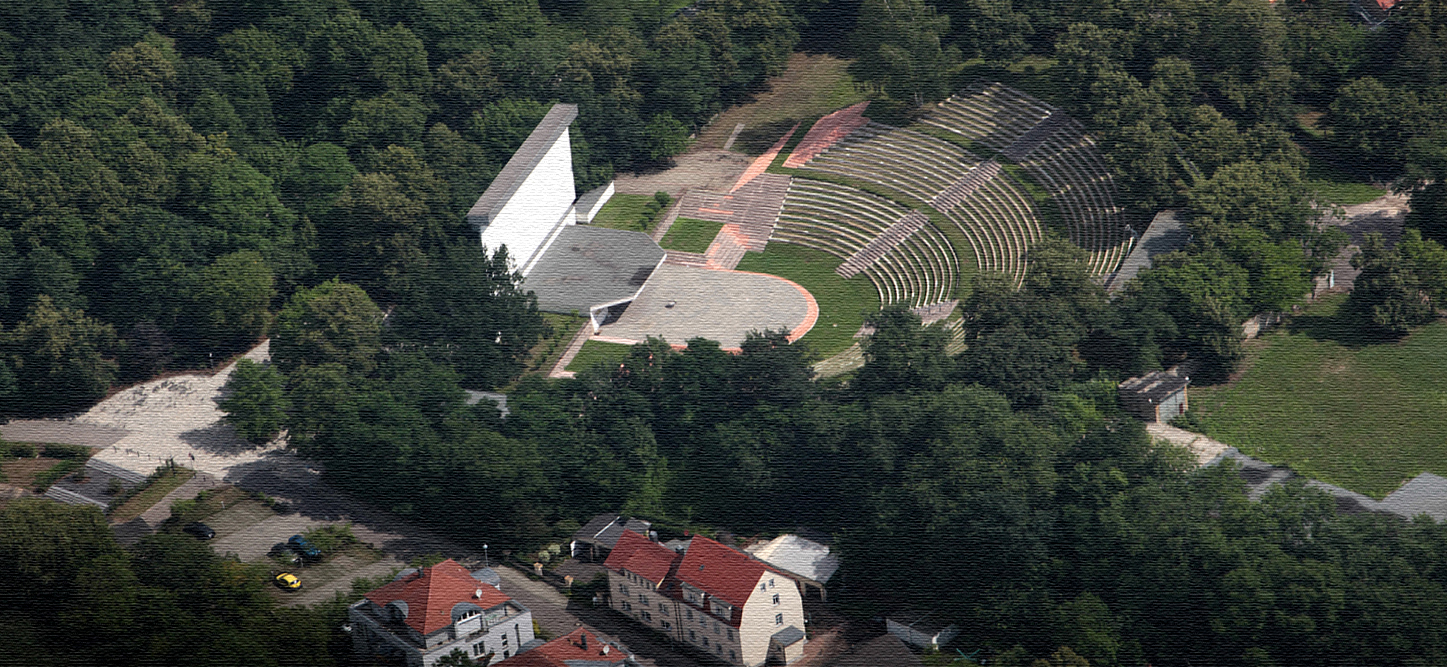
(842, 303)
(690, 235)
(1364, 417)
(596, 352)
(627, 212)
(813, 85)
(1337, 184)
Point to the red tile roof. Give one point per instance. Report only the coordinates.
(569, 647)
(641, 556)
(431, 593)
(720, 571)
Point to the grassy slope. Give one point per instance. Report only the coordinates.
(813, 85)
(595, 352)
(690, 235)
(842, 303)
(624, 212)
(1366, 418)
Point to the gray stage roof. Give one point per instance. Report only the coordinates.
(592, 266)
(1166, 233)
(523, 162)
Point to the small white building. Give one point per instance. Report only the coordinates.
(921, 630)
(807, 562)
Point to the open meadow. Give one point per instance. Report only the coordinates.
(1366, 417)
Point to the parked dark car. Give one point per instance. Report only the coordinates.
(283, 552)
(300, 545)
(199, 531)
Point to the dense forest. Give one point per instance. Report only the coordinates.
(183, 179)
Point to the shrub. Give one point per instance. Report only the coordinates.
(331, 538)
(17, 450)
(68, 452)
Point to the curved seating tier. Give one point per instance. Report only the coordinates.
(920, 269)
(1055, 151)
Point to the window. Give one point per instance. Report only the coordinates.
(642, 599)
(776, 598)
(771, 583)
(479, 648)
(705, 641)
(627, 606)
(667, 625)
(504, 638)
(648, 617)
(763, 586)
(688, 614)
(778, 619)
(731, 655)
(663, 607)
(731, 638)
(715, 630)
(692, 637)
(505, 654)
(623, 588)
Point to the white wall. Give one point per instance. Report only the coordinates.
(757, 625)
(541, 204)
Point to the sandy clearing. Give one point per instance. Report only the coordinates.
(175, 418)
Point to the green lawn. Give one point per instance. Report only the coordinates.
(595, 352)
(1345, 193)
(842, 303)
(690, 235)
(1336, 184)
(1367, 418)
(626, 212)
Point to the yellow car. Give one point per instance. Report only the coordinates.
(288, 581)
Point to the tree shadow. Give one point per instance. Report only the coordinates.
(1341, 325)
(218, 439)
(755, 139)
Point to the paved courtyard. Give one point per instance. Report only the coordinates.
(682, 302)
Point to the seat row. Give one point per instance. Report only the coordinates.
(1001, 223)
(919, 269)
(1055, 151)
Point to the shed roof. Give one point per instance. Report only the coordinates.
(605, 529)
(796, 555)
(1156, 386)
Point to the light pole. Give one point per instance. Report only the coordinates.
(485, 562)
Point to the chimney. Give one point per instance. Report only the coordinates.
(584, 637)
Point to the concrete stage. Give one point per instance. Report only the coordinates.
(718, 305)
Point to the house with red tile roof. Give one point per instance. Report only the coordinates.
(579, 648)
(424, 615)
(714, 598)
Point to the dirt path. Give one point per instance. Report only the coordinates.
(1204, 448)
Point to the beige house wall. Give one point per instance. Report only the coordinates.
(758, 623)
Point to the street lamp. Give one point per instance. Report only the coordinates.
(485, 562)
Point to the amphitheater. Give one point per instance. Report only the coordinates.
(908, 208)
(970, 187)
